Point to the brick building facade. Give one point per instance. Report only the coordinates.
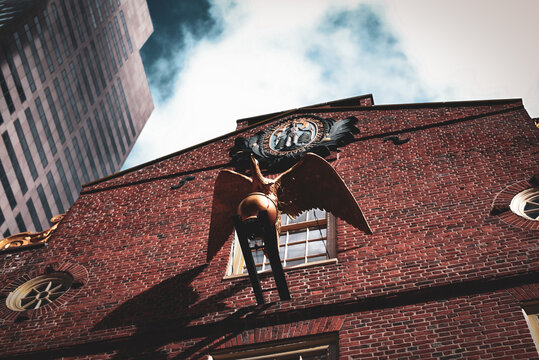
(446, 274)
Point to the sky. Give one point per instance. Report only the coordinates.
(211, 62)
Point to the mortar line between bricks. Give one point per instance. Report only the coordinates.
(364, 138)
(164, 333)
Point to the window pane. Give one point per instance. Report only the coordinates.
(296, 250)
(317, 233)
(295, 262)
(317, 247)
(318, 214)
(297, 236)
(258, 256)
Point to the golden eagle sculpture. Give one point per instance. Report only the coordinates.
(311, 183)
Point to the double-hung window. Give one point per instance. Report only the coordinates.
(305, 239)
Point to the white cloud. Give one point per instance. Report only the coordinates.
(472, 49)
(277, 55)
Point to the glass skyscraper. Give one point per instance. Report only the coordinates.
(74, 99)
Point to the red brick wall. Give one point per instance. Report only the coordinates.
(437, 279)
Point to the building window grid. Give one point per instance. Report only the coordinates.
(35, 135)
(78, 23)
(35, 55)
(80, 160)
(98, 8)
(2, 218)
(64, 181)
(89, 155)
(72, 170)
(71, 96)
(116, 46)
(78, 88)
(120, 37)
(100, 127)
(92, 15)
(6, 233)
(14, 162)
(14, 74)
(85, 80)
(103, 59)
(44, 45)
(44, 201)
(111, 6)
(97, 65)
(46, 126)
(110, 51)
(126, 30)
(7, 187)
(120, 114)
(63, 105)
(126, 107)
(106, 122)
(61, 31)
(25, 149)
(24, 61)
(84, 16)
(55, 193)
(33, 214)
(5, 92)
(97, 148)
(105, 9)
(52, 35)
(54, 113)
(120, 135)
(20, 223)
(92, 71)
(68, 23)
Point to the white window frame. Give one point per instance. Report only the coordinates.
(325, 345)
(523, 199)
(236, 265)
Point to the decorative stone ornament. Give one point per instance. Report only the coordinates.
(285, 142)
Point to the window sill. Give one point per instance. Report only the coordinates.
(286, 269)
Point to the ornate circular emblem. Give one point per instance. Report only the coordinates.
(39, 291)
(286, 141)
(293, 135)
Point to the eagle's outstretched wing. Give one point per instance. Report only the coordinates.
(230, 188)
(313, 183)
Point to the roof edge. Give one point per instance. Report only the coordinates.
(316, 108)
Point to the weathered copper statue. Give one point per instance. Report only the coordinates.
(311, 183)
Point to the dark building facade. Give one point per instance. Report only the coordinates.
(74, 100)
(450, 271)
